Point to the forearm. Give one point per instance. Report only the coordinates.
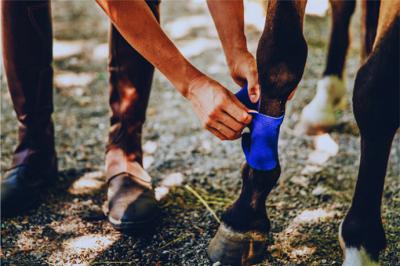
(136, 23)
(228, 17)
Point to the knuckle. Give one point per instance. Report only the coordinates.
(238, 128)
(222, 102)
(219, 107)
(212, 116)
(232, 136)
(243, 117)
(207, 123)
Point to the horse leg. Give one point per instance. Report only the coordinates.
(369, 23)
(281, 56)
(319, 114)
(376, 109)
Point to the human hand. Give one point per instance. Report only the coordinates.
(243, 68)
(218, 109)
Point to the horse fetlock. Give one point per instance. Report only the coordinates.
(246, 216)
(248, 212)
(361, 240)
(231, 247)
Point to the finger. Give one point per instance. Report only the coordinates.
(230, 122)
(224, 130)
(216, 133)
(254, 93)
(238, 111)
(253, 86)
(240, 81)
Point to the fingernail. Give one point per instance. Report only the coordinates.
(253, 97)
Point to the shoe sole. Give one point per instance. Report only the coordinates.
(134, 226)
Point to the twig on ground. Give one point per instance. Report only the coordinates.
(227, 200)
(191, 190)
(217, 203)
(175, 240)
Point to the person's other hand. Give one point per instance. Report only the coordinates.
(219, 110)
(243, 68)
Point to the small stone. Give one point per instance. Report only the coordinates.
(300, 180)
(150, 147)
(319, 190)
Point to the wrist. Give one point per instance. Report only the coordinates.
(184, 78)
(235, 55)
(195, 84)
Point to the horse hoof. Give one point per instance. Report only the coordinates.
(355, 256)
(235, 248)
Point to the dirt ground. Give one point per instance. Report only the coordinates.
(305, 208)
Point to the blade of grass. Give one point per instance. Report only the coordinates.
(197, 195)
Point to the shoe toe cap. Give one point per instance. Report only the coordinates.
(133, 211)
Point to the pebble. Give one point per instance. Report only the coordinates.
(319, 190)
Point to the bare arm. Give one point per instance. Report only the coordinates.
(140, 28)
(218, 109)
(228, 17)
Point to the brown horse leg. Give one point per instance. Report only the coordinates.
(319, 115)
(281, 57)
(369, 23)
(376, 109)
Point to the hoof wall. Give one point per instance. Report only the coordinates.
(234, 248)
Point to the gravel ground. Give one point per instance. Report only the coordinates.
(69, 228)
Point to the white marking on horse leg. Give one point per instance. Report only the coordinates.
(355, 256)
(358, 257)
(320, 112)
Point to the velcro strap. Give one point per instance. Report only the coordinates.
(260, 146)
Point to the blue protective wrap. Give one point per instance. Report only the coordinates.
(260, 146)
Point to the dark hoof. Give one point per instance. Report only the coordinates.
(235, 248)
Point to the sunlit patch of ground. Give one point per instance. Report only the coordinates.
(287, 241)
(168, 182)
(88, 183)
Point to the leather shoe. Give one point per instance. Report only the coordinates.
(22, 186)
(130, 205)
